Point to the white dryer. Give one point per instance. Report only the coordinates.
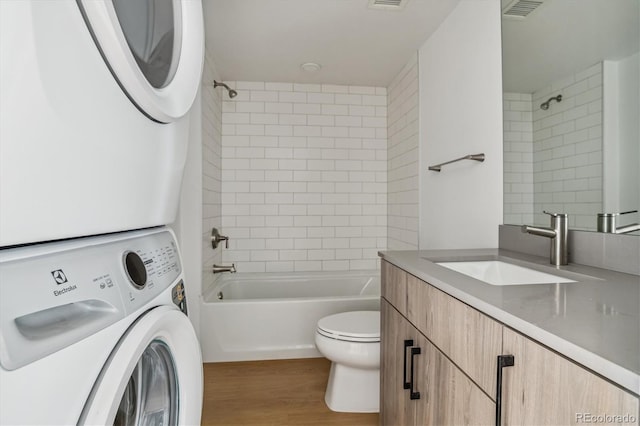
(95, 100)
(94, 331)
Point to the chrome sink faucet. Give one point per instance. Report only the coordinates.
(558, 232)
(607, 223)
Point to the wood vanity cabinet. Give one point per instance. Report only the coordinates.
(544, 388)
(454, 349)
(419, 384)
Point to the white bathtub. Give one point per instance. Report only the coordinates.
(273, 316)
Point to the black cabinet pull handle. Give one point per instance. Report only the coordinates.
(414, 394)
(407, 344)
(503, 361)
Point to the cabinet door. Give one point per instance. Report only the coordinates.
(544, 388)
(470, 339)
(394, 286)
(395, 406)
(447, 395)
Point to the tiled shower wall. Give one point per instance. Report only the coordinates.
(211, 171)
(304, 176)
(553, 158)
(567, 149)
(402, 163)
(518, 158)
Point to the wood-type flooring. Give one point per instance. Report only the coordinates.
(279, 392)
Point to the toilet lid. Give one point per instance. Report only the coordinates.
(358, 326)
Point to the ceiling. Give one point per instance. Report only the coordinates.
(565, 36)
(268, 40)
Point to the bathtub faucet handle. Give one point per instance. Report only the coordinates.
(216, 238)
(224, 268)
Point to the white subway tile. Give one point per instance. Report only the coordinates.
(248, 85)
(294, 119)
(280, 153)
(248, 107)
(332, 88)
(278, 175)
(307, 87)
(249, 129)
(279, 87)
(264, 186)
(330, 109)
(264, 118)
(278, 130)
(264, 96)
(263, 141)
(320, 98)
(307, 131)
(278, 107)
(292, 164)
(294, 97)
(307, 109)
(374, 100)
(307, 243)
(321, 120)
(342, 99)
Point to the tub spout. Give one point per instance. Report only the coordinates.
(224, 268)
(558, 232)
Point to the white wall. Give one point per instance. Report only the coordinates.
(304, 181)
(402, 159)
(461, 113)
(621, 135)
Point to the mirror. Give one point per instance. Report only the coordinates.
(571, 87)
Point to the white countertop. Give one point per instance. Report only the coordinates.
(595, 321)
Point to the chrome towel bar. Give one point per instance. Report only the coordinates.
(476, 157)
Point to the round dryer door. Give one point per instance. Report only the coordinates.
(153, 376)
(154, 49)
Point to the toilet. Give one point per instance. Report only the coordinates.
(351, 341)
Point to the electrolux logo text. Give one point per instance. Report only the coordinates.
(60, 278)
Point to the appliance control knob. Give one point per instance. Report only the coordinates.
(136, 271)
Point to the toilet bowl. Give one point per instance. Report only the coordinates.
(351, 341)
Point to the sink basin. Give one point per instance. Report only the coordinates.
(496, 272)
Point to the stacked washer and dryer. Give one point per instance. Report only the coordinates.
(95, 100)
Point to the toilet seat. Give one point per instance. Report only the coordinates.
(358, 326)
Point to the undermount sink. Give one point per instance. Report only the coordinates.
(496, 272)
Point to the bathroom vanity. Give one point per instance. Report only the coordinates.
(457, 350)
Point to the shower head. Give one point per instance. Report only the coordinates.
(545, 105)
(232, 93)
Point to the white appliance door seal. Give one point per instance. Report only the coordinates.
(155, 50)
(164, 328)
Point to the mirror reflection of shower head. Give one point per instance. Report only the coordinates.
(232, 93)
(545, 105)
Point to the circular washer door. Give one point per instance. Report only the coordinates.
(153, 376)
(154, 49)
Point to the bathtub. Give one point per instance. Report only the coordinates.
(250, 316)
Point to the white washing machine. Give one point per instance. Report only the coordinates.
(94, 331)
(95, 100)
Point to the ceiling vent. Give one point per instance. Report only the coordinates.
(520, 9)
(387, 4)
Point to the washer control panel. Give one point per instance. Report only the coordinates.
(55, 294)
